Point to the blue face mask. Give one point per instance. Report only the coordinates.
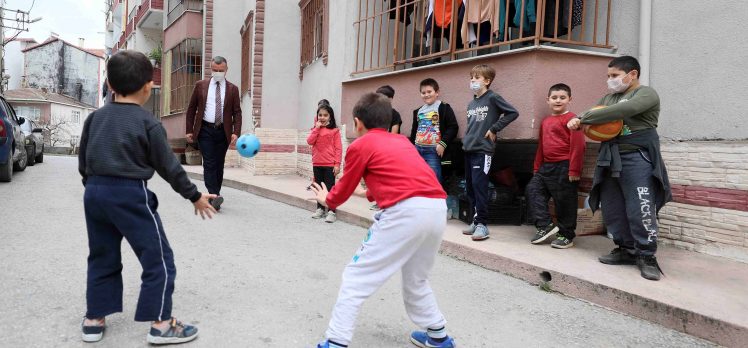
(475, 86)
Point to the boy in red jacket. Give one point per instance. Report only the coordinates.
(558, 167)
(406, 233)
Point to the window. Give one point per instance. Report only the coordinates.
(29, 112)
(186, 70)
(247, 33)
(314, 31)
(75, 117)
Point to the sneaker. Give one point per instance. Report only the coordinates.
(216, 203)
(92, 333)
(481, 232)
(327, 344)
(562, 242)
(542, 234)
(374, 207)
(469, 230)
(331, 217)
(649, 267)
(422, 339)
(319, 213)
(618, 256)
(177, 333)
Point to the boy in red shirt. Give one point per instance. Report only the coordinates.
(558, 167)
(406, 233)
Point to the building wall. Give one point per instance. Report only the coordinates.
(14, 63)
(70, 129)
(44, 108)
(280, 87)
(190, 25)
(60, 67)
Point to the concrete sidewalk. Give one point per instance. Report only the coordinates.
(700, 295)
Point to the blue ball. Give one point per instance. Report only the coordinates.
(248, 145)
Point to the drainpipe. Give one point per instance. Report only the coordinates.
(205, 21)
(645, 38)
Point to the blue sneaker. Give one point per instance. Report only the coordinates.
(481, 232)
(327, 344)
(421, 339)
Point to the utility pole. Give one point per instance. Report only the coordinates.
(20, 22)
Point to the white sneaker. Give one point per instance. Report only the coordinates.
(331, 217)
(319, 213)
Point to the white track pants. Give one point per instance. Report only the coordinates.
(403, 237)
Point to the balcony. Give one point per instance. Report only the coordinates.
(130, 26)
(157, 76)
(150, 15)
(179, 7)
(420, 37)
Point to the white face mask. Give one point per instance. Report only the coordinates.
(617, 85)
(475, 86)
(219, 75)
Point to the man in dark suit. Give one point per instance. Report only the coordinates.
(214, 120)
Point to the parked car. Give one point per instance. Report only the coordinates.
(13, 155)
(34, 141)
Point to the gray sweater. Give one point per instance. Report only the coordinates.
(489, 111)
(125, 140)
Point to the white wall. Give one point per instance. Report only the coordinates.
(14, 63)
(70, 129)
(280, 76)
(699, 55)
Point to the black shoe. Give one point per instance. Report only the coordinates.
(216, 203)
(562, 242)
(649, 267)
(542, 234)
(618, 256)
(92, 333)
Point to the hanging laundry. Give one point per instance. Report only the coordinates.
(405, 11)
(527, 18)
(483, 13)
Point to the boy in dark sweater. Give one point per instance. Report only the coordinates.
(122, 145)
(488, 113)
(434, 126)
(558, 167)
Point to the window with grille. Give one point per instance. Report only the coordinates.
(75, 117)
(247, 34)
(314, 31)
(186, 70)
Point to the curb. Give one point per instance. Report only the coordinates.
(715, 330)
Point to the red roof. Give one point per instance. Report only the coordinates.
(35, 94)
(20, 39)
(96, 52)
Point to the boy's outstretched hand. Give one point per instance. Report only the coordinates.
(320, 193)
(204, 207)
(574, 124)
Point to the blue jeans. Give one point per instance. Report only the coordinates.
(432, 159)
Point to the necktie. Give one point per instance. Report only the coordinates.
(219, 105)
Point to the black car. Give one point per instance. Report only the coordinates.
(12, 143)
(34, 141)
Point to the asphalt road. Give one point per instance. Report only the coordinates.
(263, 274)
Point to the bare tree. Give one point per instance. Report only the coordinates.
(53, 130)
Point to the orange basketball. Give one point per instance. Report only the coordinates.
(603, 131)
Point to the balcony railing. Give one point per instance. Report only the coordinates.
(157, 76)
(147, 5)
(130, 26)
(178, 7)
(408, 33)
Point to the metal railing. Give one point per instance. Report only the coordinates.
(397, 34)
(186, 69)
(178, 7)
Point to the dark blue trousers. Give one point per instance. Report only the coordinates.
(117, 208)
(213, 146)
(432, 158)
(476, 184)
